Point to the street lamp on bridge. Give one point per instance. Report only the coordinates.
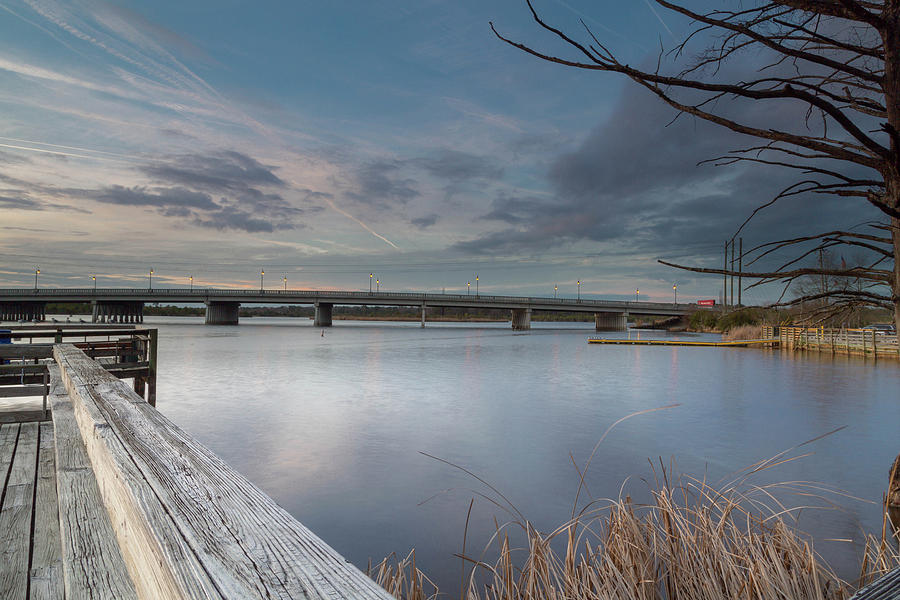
(94, 278)
(192, 283)
(579, 289)
(261, 273)
(555, 289)
(377, 285)
(150, 286)
(468, 287)
(285, 283)
(675, 291)
(36, 273)
(371, 275)
(637, 294)
(476, 284)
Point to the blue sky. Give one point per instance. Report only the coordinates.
(322, 141)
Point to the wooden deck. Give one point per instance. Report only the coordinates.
(112, 500)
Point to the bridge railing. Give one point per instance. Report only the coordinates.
(204, 293)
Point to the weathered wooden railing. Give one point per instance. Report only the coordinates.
(862, 342)
(185, 523)
(126, 352)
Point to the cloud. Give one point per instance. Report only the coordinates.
(381, 182)
(24, 202)
(425, 222)
(160, 197)
(221, 171)
(634, 181)
(229, 217)
(457, 166)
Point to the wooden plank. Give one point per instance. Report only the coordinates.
(248, 545)
(886, 587)
(46, 552)
(13, 351)
(21, 390)
(8, 436)
(15, 516)
(22, 416)
(92, 563)
(157, 558)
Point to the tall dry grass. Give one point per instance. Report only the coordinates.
(743, 332)
(692, 541)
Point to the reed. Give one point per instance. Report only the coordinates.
(743, 332)
(691, 541)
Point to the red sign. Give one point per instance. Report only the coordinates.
(706, 302)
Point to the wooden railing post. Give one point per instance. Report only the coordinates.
(151, 368)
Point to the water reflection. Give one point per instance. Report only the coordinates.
(333, 427)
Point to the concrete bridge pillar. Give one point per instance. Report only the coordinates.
(323, 314)
(423, 314)
(521, 319)
(222, 313)
(117, 312)
(609, 321)
(26, 311)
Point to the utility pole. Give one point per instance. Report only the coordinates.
(732, 273)
(740, 267)
(725, 277)
(822, 268)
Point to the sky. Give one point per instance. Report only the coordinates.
(323, 141)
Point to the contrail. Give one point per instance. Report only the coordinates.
(653, 10)
(61, 153)
(360, 223)
(9, 139)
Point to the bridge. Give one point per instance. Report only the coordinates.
(126, 305)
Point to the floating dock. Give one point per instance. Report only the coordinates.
(735, 344)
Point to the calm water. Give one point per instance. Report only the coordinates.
(334, 427)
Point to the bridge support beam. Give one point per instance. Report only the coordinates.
(521, 319)
(117, 312)
(609, 321)
(423, 314)
(323, 314)
(25, 311)
(222, 313)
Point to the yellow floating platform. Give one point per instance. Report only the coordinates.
(736, 343)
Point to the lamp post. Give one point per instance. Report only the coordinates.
(579, 289)
(285, 283)
(476, 284)
(468, 287)
(261, 273)
(36, 273)
(675, 291)
(192, 283)
(150, 287)
(377, 285)
(637, 294)
(555, 289)
(94, 278)
(371, 275)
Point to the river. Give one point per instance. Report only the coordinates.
(336, 428)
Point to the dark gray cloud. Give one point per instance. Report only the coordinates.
(425, 222)
(634, 182)
(24, 202)
(159, 197)
(382, 182)
(229, 217)
(218, 172)
(457, 167)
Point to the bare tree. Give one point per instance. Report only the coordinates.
(840, 61)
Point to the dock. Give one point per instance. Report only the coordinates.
(768, 342)
(107, 498)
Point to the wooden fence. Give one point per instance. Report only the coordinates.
(857, 342)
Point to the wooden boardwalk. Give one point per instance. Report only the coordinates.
(112, 500)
